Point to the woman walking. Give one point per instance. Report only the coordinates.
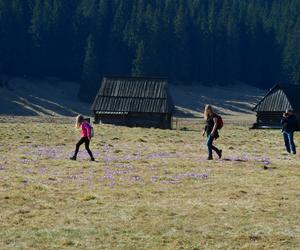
(86, 136)
(211, 130)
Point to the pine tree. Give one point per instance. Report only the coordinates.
(20, 38)
(139, 67)
(119, 56)
(181, 52)
(6, 34)
(90, 71)
(38, 31)
(292, 55)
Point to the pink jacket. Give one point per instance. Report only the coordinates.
(86, 130)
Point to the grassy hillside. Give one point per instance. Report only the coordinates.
(41, 97)
(53, 97)
(149, 189)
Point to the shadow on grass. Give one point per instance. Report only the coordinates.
(36, 98)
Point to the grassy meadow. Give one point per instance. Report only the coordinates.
(149, 189)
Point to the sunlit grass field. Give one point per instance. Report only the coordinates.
(149, 189)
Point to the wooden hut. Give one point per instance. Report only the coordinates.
(271, 108)
(134, 101)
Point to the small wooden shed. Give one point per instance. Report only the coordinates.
(271, 108)
(134, 101)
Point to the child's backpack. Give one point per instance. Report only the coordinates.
(92, 131)
(220, 122)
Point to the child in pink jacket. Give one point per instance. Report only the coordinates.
(86, 136)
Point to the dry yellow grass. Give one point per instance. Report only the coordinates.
(150, 189)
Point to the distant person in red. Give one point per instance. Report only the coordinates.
(211, 130)
(86, 136)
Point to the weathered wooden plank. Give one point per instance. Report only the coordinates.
(133, 95)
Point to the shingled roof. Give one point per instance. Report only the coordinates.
(120, 94)
(280, 98)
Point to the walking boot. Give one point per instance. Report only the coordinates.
(219, 153)
(73, 158)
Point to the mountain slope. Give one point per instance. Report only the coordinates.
(52, 97)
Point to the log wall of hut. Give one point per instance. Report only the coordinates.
(148, 120)
(270, 119)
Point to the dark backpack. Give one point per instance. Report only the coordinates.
(220, 122)
(296, 125)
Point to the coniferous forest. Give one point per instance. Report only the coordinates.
(190, 41)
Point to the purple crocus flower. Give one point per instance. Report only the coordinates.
(154, 178)
(43, 170)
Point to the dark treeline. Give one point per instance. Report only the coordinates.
(209, 41)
